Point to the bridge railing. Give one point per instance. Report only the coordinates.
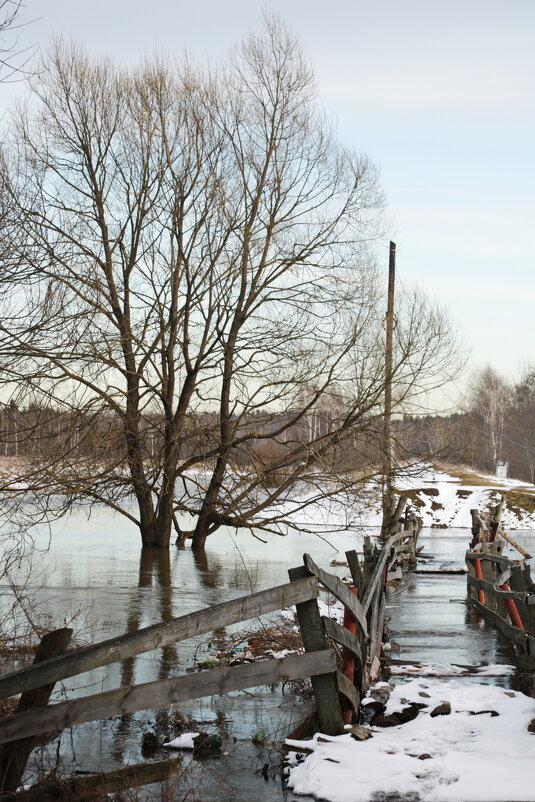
(501, 588)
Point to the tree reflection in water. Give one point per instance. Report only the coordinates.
(152, 601)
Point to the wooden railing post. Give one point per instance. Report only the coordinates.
(355, 570)
(359, 581)
(314, 639)
(14, 755)
(348, 664)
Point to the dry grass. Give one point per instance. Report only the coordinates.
(520, 502)
(467, 476)
(8, 706)
(413, 497)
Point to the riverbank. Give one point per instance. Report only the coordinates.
(443, 496)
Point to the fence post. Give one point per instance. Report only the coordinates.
(359, 581)
(14, 755)
(348, 664)
(314, 639)
(355, 571)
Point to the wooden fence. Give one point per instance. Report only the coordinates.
(337, 692)
(501, 588)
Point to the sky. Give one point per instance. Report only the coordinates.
(439, 94)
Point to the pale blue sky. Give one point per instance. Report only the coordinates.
(439, 94)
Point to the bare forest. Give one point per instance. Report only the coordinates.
(495, 424)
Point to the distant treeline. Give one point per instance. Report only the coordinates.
(498, 424)
(41, 433)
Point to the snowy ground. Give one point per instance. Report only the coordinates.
(445, 500)
(480, 752)
(441, 499)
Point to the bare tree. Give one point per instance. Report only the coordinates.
(13, 57)
(490, 396)
(519, 445)
(190, 259)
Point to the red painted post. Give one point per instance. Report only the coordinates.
(348, 662)
(479, 575)
(516, 621)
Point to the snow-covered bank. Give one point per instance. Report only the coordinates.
(444, 499)
(481, 751)
(441, 497)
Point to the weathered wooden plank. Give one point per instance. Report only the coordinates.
(493, 558)
(488, 587)
(97, 786)
(518, 636)
(158, 635)
(161, 693)
(375, 667)
(517, 582)
(376, 576)
(314, 639)
(348, 689)
(338, 589)
(357, 574)
(377, 627)
(470, 570)
(343, 637)
(14, 756)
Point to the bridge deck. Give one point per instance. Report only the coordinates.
(432, 622)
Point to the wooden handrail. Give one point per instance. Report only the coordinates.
(339, 590)
(159, 635)
(165, 692)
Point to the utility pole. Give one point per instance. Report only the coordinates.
(388, 466)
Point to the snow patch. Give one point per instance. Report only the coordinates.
(184, 741)
(470, 755)
(448, 670)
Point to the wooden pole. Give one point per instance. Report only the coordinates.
(348, 663)
(14, 755)
(388, 477)
(325, 686)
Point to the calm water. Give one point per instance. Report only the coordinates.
(93, 575)
(431, 620)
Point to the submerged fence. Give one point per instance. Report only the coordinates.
(341, 661)
(500, 588)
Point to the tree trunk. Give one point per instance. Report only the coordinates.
(155, 531)
(201, 532)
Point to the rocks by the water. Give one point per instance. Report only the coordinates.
(443, 709)
(401, 717)
(482, 712)
(150, 742)
(360, 733)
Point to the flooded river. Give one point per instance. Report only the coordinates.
(92, 575)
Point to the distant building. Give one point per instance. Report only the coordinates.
(501, 469)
